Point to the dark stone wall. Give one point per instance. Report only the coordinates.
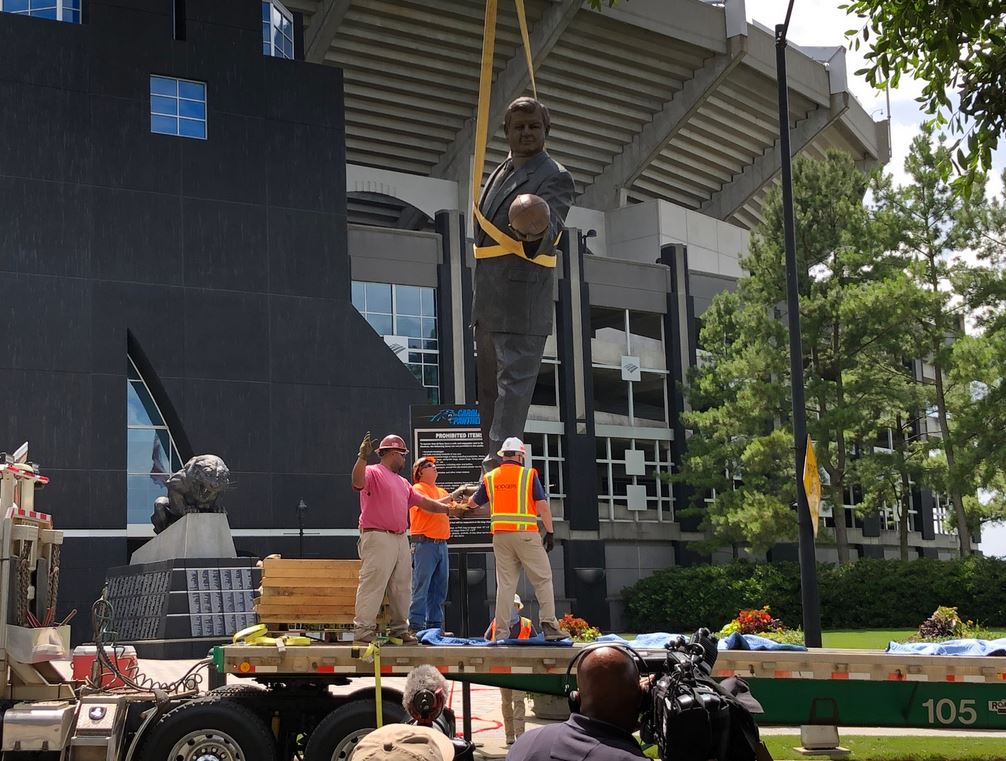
(224, 261)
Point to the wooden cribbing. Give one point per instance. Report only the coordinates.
(309, 592)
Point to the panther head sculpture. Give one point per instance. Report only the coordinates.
(196, 488)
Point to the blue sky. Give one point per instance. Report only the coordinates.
(821, 23)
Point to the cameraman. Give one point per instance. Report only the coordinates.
(611, 697)
(425, 700)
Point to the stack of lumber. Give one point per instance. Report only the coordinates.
(297, 592)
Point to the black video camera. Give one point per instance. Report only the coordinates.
(691, 717)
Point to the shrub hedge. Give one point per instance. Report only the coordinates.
(867, 594)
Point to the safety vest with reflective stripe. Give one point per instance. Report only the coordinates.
(524, 633)
(510, 489)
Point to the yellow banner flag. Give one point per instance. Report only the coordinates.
(812, 484)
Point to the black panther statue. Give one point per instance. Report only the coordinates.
(196, 488)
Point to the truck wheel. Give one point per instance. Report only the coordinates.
(338, 733)
(209, 730)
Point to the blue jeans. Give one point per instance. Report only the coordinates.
(429, 585)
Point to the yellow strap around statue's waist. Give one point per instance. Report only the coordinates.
(505, 244)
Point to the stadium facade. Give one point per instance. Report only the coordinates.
(217, 211)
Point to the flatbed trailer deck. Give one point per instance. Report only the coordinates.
(841, 687)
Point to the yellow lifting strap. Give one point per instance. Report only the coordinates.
(505, 244)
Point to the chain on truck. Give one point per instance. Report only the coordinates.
(284, 706)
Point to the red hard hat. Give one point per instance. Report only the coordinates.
(391, 441)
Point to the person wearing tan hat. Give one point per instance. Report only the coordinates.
(430, 532)
(404, 742)
(512, 701)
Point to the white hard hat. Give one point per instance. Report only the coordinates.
(513, 444)
(517, 603)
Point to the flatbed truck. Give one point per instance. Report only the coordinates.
(282, 706)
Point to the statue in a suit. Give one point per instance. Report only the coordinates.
(514, 274)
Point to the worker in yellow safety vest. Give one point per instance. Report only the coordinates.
(514, 499)
(513, 700)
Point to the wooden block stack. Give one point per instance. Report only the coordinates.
(298, 592)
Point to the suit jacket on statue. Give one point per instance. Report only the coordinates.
(513, 295)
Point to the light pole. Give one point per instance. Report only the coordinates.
(808, 565)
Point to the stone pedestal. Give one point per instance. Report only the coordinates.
(196, 535)
(180, 608)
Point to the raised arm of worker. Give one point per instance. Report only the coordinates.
(420, 500)
(360, 468)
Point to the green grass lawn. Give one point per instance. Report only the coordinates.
(874, 639)
(901, 748)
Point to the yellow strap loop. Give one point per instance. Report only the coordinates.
(505, 244)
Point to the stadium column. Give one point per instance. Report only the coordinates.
(583, 559)
(679, 352)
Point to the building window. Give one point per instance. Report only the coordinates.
(178, 107)
(277, 30)
(629, 482)
(547, 458)
(406, 315)
(57, 10)
(151, 454)
(629, 367)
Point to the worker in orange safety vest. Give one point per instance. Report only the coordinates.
(520, 627)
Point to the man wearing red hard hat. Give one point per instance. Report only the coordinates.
(386, 562)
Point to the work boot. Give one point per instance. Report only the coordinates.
(363, 637)
(552, 632)
(408, 637)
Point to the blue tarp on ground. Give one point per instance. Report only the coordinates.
(950, 647)
(733, 642)
(436, 637)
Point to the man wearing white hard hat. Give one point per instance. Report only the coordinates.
(514, 499)
(512, 701)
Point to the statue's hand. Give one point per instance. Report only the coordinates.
(366, 446)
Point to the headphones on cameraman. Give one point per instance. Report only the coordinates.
(573, 695)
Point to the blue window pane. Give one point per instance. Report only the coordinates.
(71, 4)
(408, 300)
(191, 128)
(431, 375)
(71, 17)
(379, 297)
(381, 323)
(408, 326)
(429, 327)
(359, 296)
(192, 90)
(288, 48)
(428, 308)
(285, 26)
(13, 6)
(140, 408)
(163, 125)
(162, 105)
(49, 13)
(266, 8)
(163, 86)
(141, 491)
(192, 108)
(147, 451)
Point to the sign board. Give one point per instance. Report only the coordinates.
(812, 484)
(451, 433)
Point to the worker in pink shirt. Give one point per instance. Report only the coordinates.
(383, 547)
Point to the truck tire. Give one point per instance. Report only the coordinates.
(339, 732)
(209, 730)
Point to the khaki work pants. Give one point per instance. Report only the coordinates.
(516, 550)
(513, 712)
(386, 567)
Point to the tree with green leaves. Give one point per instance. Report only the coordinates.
(931, 221)
(855, 305)
(958, 48)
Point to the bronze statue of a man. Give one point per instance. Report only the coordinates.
(514, 274)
